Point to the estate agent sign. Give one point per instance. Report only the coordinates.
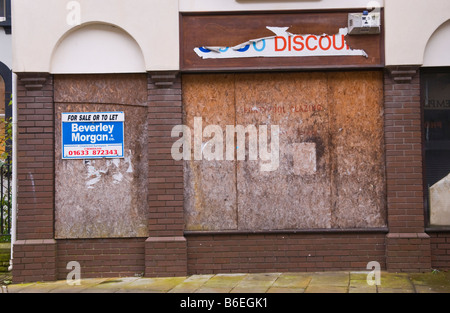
(91, 135)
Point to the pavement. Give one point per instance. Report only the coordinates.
(322, 282)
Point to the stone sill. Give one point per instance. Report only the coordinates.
(437, 229)
(288, 231)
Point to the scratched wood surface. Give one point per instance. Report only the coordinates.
(103, 198)
(335, 118)
(210, 186)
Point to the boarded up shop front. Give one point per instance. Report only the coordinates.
(330, 172)
(250, 141)
(308, 99)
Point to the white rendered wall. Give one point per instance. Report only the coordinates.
(5, 48)
(437, 51)
(39, 27)
(81, 51)
(269, 5)
(409, 24)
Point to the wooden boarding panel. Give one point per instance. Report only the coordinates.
(210, 186)
(330, 172)
(103, 198)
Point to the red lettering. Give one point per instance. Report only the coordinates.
(276, 43)
(342, 43)
(307, 43)
(329, 42)
(302, 46)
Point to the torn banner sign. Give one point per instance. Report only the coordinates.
(89, 135)
(285, 44)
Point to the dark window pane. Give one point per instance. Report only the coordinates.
(2, 10)
(436, 127)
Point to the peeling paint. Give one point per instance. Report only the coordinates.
(91, 171)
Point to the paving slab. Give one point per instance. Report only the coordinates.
(285, 290)
(191, 284)
(110, 285)
(40, 287)
(225, 280)
(326, 289)
(336, 279)
(323, 282)
(84, 284)
(206, 289)
(428, 289)
(293, 280)
(221, 283)
(250, 289)
(361, 275)
(60, 286)
(391, 282)
(15, 288)
(435, 281)
(261, 280)
(394, 290)
(361, 286)
(256, 283)
(115, 283)
(163, 284)
(98, 290)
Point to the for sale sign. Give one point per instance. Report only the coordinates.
(91, 135)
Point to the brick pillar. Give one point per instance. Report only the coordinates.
(165, 248)
(34, 255)
(407, 245)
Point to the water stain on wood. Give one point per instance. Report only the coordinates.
(339, 114)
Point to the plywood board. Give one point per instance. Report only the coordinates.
(357, 146)
(210, 186)
(282, 199)
(335, 118)
(102, 198)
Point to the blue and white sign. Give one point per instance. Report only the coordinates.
(91, 135)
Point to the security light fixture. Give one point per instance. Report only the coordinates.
(364, 23)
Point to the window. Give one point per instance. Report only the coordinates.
(5, 15)
(2, 10)
(436, 127)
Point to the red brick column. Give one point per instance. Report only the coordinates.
(165, 248)
(34, 255)
(407, 245)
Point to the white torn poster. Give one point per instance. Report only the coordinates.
(285, 44)
(440, 202)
